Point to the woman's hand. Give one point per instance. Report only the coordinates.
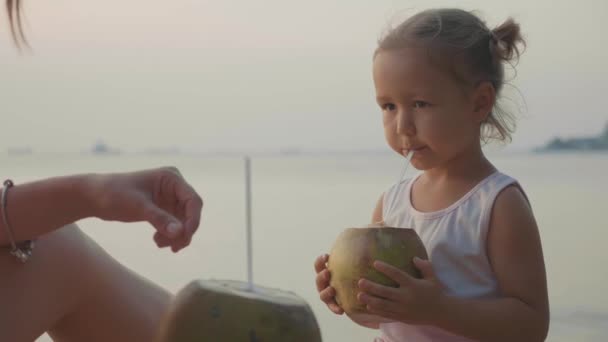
(159, 196)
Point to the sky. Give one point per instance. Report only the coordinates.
(240, 75)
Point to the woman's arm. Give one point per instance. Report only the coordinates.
(39, 207)
(160, 196)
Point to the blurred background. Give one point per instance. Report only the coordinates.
(117, 86)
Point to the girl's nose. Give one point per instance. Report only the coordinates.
(405, 125)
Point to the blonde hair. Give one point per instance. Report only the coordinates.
(471, 51)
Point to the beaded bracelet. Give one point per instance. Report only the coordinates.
(22, 251)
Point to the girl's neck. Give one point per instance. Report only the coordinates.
(470, 164)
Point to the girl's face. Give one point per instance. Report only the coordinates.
(425, 110)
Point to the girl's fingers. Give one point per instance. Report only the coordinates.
(322, 280)
(379, 290)
(320, 263)
(328, 297)
(335, 308)
(379, 304)
(394, 273)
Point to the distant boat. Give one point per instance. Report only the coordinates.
(101, 148)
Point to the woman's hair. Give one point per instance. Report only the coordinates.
(461, 43)
(13, 9)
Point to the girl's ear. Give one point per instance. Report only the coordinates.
(484, 97)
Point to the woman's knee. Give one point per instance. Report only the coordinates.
(46, 288)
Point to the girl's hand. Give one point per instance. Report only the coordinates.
(160, 196)
(326, 292)
(415, 301)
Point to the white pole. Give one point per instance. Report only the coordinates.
(248, 221)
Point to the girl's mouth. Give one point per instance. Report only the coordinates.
(413, 149)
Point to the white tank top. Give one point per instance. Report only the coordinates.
(455, 240)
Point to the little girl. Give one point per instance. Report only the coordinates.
(437, 77)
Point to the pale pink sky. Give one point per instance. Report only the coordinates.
(263, 74)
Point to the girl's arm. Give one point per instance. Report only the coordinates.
(520, 314)
(515, 253)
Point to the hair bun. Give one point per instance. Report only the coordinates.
(507, 41)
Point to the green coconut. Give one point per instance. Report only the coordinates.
(227, 311)
(352, 257)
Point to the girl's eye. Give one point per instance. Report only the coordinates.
(420, 104)
(388, 107)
